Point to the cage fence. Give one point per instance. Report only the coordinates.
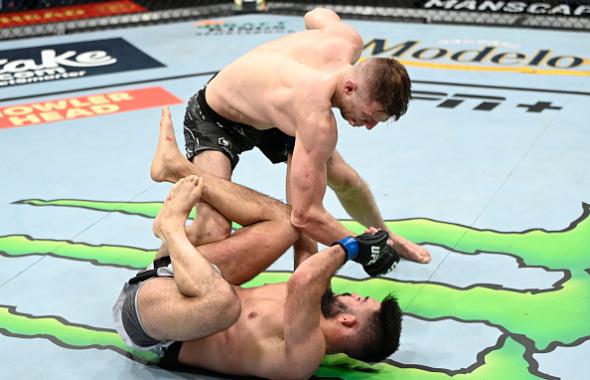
(30, 18)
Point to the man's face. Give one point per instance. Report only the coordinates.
(361, 307)
(360, 112)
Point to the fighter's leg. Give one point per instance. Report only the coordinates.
(197, 301)
(266, 234)
(170, 165)
(245, 256)
(211, 225)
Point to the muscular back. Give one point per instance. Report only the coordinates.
(270, 85)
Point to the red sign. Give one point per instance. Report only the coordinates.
(24, 115)
(77, 12)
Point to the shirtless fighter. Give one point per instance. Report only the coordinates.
(284, 90)
(185, 309)
(190, 315)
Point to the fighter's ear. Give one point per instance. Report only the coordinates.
(346, 320)
(350, 87)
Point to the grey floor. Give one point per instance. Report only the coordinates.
(488, 170)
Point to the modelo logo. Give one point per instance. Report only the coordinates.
(407, 49)
(64, 61)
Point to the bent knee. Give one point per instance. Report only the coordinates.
(209, 227)
(288, 232)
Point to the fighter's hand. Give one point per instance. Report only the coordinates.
(408, 249)
(371, 251)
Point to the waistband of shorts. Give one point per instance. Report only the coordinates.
(213, 116)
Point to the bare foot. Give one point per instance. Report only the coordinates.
(409, 250)
(168, 164)
(181, 199)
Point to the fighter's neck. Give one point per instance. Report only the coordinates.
(341, 77)
(331, 336)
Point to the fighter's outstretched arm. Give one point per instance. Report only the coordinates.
(358, 201)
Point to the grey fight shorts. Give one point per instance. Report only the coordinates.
(126, 317)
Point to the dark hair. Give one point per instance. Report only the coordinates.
(389, 85)
(381, 335)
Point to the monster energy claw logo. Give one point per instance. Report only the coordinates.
(528, 321)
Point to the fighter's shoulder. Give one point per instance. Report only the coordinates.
(316, 95)
(343, 31)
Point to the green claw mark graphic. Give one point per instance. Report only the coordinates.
(145, 209)
(114, 255)
(64, 333)
(504, 362)
(528, 320)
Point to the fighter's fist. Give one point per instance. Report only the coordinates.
(371, 250)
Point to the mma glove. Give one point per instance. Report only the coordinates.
(371, 251)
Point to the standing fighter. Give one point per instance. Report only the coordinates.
(282, 91)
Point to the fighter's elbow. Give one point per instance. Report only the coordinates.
(319, 18)
(308, 19)
(300, 279)
(302, 219)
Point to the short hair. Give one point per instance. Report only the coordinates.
(380, 338)
(389, 85)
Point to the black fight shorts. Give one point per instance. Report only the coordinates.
(204, 129)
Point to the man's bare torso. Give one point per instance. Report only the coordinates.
(269, 86)
(246, 347)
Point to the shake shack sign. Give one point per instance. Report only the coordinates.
(72, 60)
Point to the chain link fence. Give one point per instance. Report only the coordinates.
(29, 18)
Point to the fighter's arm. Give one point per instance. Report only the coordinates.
(315, 141)
(358, 201)
(305, 345)
(305, 246)
(333, 29)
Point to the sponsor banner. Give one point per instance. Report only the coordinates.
(550, 7)
(480, 55)
(24, 115)
(71, 60)
(230, 28)
(76, 12)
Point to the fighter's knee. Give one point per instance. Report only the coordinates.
(220, 229)
(282, 212)
(288, 231)
(209, 231)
